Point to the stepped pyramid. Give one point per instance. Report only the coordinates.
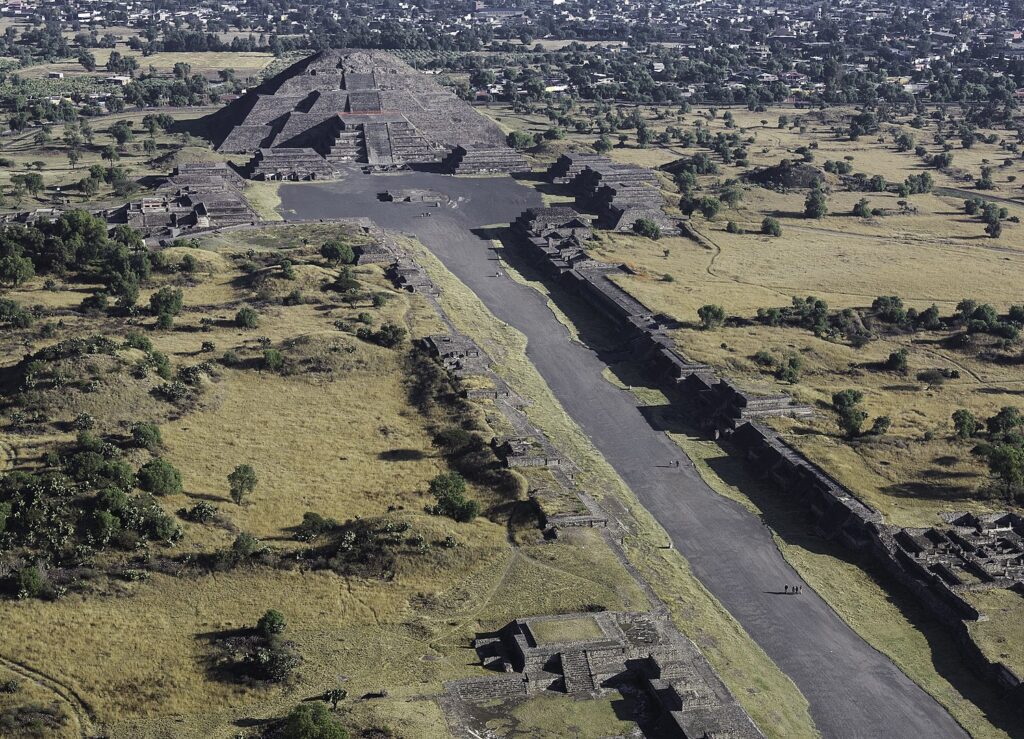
(354, 106)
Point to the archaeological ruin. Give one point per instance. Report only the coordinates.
(361, 108)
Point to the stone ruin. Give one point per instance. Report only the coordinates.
(620, 194)
(356, 107)
(585, 654)
(456, 353)
(406, 274)
(413, 195)
(480, 160)
(196, 196)
(971, 553)
(527, 451)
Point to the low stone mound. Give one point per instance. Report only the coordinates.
(787, 175)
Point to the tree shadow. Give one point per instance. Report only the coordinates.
(401, 455)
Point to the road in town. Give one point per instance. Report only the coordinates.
(853, 690)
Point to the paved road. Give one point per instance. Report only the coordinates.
(853, 690)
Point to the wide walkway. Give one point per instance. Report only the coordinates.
(853, 690)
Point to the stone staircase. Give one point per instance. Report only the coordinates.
(348, 146)
(576, 671)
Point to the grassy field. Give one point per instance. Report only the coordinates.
(929, 252)
(345, 444)
(60, 177)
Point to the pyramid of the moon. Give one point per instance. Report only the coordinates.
(351, 106)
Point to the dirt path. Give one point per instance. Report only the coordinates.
(80, 711)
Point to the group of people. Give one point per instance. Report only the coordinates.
(794, 589)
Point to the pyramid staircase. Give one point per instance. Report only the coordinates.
(576, 671)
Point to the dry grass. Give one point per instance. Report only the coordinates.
(1000, 635)
(553, 717)
(574, 629)
(344, 447)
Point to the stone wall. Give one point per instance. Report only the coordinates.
(725, 410)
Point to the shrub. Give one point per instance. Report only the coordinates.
(851, 416)
(312, 721)
(159, 477)
(880, 425)
(389, 335)
(771, 227)
(449, 489)
(201, 512)
(30, 582)
(711, 316)
(965, 424)
(146, 436)
(647, 227)
(273, 360)
(247, 318)
(270, 624)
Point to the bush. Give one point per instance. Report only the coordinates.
(771, 227)
(270, 624)
(159, 477)
(273, 360)
(648, 228)
(247, 318)
(449, 489)
(389, 335)
(30, 582)
(711, 316)
(312, 721)
(146, 436)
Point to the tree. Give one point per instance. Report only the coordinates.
(862, 209)
(241, 481)
(247, 317)
(271, 624)
(337, 252)
(846, 404)
(603, 145)
(815, 206)
(771, 227)
(647, 227)
(994, 229)
(166, 303)
(521, 140)
(121, 131)
(449, 488)
(711, 316)
(15, 270)
(965, 424)
(1006, 461)
(159, 477)
(312, 721)
(897, 361)
(1007, 419)
(73, 157)
(147, 436)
